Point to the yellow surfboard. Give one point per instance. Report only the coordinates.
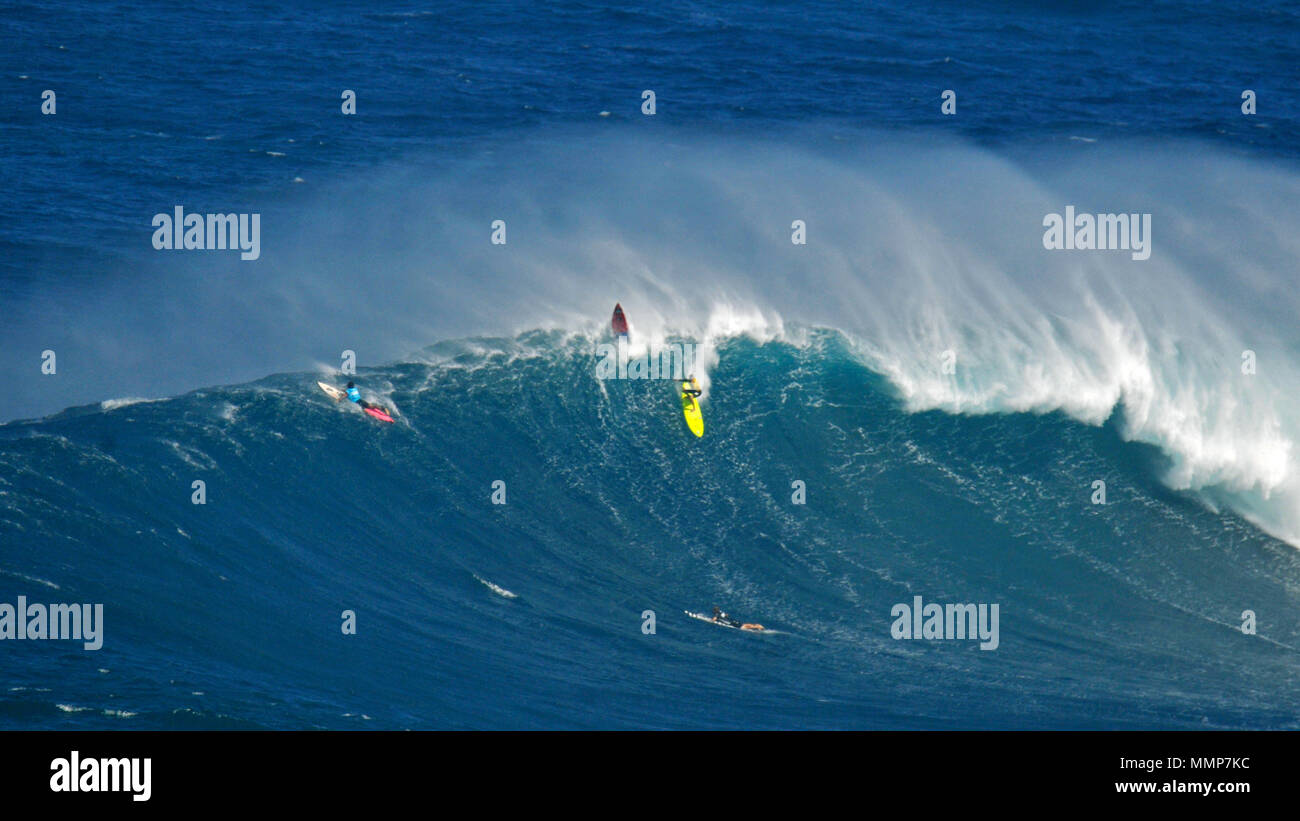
(691, 410)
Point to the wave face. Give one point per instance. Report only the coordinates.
(228, 614)
(915, 248)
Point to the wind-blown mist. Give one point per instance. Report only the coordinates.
(915, 247)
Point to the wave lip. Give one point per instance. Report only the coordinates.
(125, 402)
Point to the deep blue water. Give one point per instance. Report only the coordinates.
(820, 363)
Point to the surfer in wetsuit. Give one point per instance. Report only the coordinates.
(692, 388)
(723, 618)
(354, 394)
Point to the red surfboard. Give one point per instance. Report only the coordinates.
(619, 322)
(378, 414)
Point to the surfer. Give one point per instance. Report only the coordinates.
(691, 406)
(354, 394)
(722, 618)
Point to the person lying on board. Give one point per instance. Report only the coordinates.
(723, 618)
(354, 394)
(691, 388)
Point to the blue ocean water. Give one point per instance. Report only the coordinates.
(821, 363)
